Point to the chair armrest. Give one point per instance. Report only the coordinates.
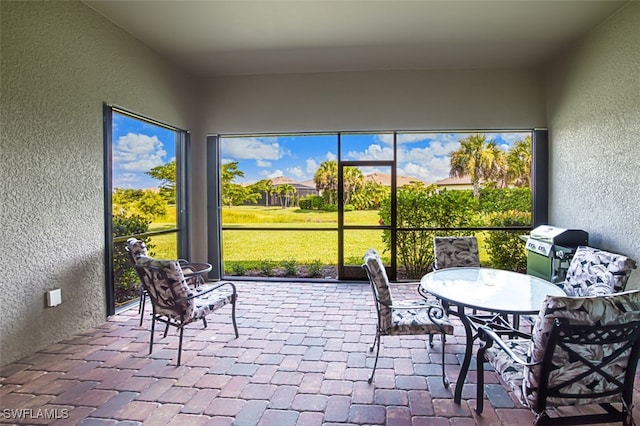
(487, 337)
(435, 312)
(209, 290)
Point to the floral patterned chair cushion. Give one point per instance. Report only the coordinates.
(450, 252)
(137, 248)
(618, 308)
(594, 272)
(164, 280)
(400, 317)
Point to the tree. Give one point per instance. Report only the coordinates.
(234, 194)
(519, 163)
(352, 181)
(264, 186)
(152, 204)
(326, 179)
(370, 197)
(284, 192)
(166, 174)
(479, 159)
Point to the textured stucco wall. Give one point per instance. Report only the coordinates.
(59, 62)
(593, 94)
(392, 100)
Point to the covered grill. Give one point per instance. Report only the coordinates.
(550, 249)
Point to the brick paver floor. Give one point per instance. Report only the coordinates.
(302, 358)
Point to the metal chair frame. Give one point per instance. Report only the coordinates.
(147, 278)
(435, 313)
(564, 335)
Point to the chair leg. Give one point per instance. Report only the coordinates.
(376, 342)
(166, 329)
(153, 326)
(180, 345)
(233, 316)
(143, 299)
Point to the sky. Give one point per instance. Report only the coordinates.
(420, 155)
(138, 146)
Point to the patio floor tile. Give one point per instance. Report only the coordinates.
(302, 358)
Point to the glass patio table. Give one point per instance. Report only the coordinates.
(196, 270)
(497, 292)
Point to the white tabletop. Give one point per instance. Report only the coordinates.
(490, 289)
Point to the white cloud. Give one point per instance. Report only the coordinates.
(312, 166)
(331, 156)
(373, 152)
(138, 153)
(125, 180)
(437, 168)
(295, 172)
(252, 148)
(263, 163)
(272, 175)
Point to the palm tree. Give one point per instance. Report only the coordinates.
(519, 163)
(285, 191)
(326, 178)
(353, 180)
(264, 186)
(479, 159)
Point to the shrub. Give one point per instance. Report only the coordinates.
(505, 248)
(420, 206)
(330, 208)
(311, 202)
(266, 267)
(349, 208)
(494, 200)
(315, 268)
(125, 279)
(290, 267)
(238, 268)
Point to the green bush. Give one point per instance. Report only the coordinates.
(311, 202)
(290, 267)
(125, 279)
(315, 268)
(330, 208)
(420, 206)
(494, 200)
(349, 208)
(505, 248)
(238, 268)
(266, 267)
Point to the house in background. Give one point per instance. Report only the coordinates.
(570, 67)
(455, 182)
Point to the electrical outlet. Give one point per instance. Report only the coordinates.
(54, 297)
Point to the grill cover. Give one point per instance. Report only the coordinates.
(543, 239)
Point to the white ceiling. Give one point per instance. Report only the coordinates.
(270, 36)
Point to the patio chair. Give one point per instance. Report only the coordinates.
(406, 317)
(583, 351)
(455, 252)
(451, 252)
(175, 303)
(595, 272)
(138, 249)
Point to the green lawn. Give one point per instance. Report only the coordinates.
(304, 247)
